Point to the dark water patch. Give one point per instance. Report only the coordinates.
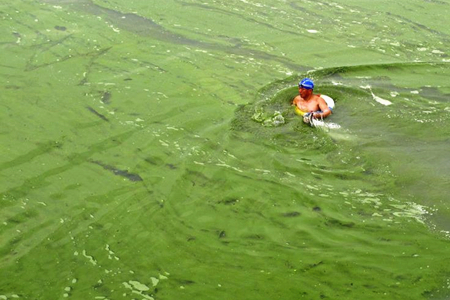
(255, 237)
(12, 87)
(43, 148)
(291, 214)
(118, 172)
(84, 125)
(97, 114)
(60, 28)
(22, 217)
(7, 66)
(306, 10)
(229, 201)
(155, 161)
(7, 250)
(196, 178)
(433, 93)
(339, 223)
(106, 97)
(171, 166)
(437, 2)
(312, 266)
(58, 196)
(185, 282)
(72, 187)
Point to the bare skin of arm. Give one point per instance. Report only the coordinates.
(326, 111)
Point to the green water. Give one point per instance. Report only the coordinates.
(136, 163)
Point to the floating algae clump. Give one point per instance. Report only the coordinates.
(273, 109)
(276, 119)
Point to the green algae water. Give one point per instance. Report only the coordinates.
(149, 150)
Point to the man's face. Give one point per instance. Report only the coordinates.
(304, 93)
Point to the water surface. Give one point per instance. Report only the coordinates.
(140, 160)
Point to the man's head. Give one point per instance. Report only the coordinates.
(305, 88)
(306, 84)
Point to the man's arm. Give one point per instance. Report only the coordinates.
(326, 111)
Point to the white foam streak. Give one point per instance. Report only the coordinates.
(322, 124)
(375, 97)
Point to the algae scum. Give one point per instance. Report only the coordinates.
(150, 151)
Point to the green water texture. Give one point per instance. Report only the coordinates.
(140, 158)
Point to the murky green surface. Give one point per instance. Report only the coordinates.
(135, 164)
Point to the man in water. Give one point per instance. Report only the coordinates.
(308, 102)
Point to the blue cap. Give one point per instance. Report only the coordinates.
(306, 83)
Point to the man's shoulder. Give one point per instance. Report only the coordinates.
(298, 98)
(318, 97)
